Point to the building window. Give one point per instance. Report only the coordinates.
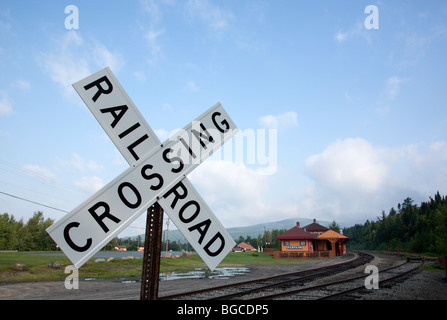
(303, 243)
(286, 243)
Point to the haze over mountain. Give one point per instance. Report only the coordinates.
(253, 231)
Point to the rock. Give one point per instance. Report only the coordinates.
(100, 260)
(127, 258)
(55, 265)
(19, 267)
(110, 259)
(168, 255)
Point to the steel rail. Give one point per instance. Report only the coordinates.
(344, 292)
(302, 275)
(325, 285)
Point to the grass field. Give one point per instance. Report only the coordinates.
(38, 268)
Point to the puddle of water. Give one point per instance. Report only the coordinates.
(199, 273)
(128, 281)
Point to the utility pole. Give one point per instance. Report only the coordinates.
(265, 239)
(167, 233)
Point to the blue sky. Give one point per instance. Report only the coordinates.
(359, 115)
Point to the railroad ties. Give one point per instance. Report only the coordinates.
(320, 283)
(263, 286)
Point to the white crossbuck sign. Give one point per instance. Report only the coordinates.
(157, 173)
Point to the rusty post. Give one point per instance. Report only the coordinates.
(445, 266)
(152, 251)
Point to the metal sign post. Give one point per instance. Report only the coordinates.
(152, 250)
(157, 176)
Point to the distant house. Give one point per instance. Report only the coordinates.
(243, 247)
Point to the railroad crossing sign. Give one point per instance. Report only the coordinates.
(157, 174)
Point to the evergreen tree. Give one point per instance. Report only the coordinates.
(420, 229)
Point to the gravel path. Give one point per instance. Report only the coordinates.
(421, 285)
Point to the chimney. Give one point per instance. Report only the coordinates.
(298, 224)
(315, 220)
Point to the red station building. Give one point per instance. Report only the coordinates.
(311, 241)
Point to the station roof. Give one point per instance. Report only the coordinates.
(295, 233)
(315, 227)
(331, 234)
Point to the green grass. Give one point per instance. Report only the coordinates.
(436, 267)
(38, 268)
(244, 258)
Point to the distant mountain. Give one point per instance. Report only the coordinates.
(252, 231)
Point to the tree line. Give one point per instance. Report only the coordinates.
(411, 228)
(29, 236)
(266, 240)
(132, 244)
(32, 236)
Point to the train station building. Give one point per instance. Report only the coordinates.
(311, 241)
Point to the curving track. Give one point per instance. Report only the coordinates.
(261, 288)
(343, 289)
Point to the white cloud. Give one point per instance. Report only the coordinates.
(139, 75)
(238, 195)
(72, 58)
(166, 107)
(162, 134)
(231, 189)
(191, 86)
(393, 86)
(282, 121)
(352, 180)
(5, 104)
(352, 165)
(5, 20)
(103, 57)
(80, 164)
(340, 37)
(152, 9)
(64, 65)
(357, 30)
(152, 31)
(25, 85)
(206, 11)
(152, 38)
(40, 173)
(90, 184)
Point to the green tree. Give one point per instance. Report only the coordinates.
(334, 226)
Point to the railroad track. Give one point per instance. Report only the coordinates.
(261, 287)
(341, 289)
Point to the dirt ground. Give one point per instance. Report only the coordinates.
(129, 290)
